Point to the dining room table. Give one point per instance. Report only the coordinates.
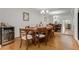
(35, 29)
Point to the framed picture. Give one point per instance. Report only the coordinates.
(25, 16)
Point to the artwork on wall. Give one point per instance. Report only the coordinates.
(25, 16)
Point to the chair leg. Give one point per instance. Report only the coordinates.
(27, 44)
(53, 35)
(21, 43)
(34, 41)
(38, 43)
(46, 42)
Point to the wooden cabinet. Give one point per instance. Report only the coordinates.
(6, 35)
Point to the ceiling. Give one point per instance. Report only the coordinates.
(57, 11)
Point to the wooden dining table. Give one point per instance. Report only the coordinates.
(35, 28)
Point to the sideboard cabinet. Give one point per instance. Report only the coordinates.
(6, 35)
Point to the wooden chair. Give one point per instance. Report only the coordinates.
(49, 28)
(25, 35)
(42, 35)
(53, 33)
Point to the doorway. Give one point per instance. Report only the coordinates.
(66, 27)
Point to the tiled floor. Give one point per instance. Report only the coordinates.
(60, 42)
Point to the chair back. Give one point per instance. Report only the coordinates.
(22, 32)
(42, 30)
(25, 32)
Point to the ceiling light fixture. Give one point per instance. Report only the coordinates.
(44, 12)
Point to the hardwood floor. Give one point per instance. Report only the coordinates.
(60, 42)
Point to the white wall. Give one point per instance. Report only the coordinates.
(15, 17)
(50, 19)
(75, 23)
(1, 15)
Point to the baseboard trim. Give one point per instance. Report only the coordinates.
(17, 37)
(75, 39)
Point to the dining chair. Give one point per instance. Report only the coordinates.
(26, 36)
(42, 35)
(49, 28)
(27, 27)
(53, 34)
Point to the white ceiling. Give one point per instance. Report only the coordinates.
(65, 11)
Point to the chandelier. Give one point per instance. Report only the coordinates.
(44, 12)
